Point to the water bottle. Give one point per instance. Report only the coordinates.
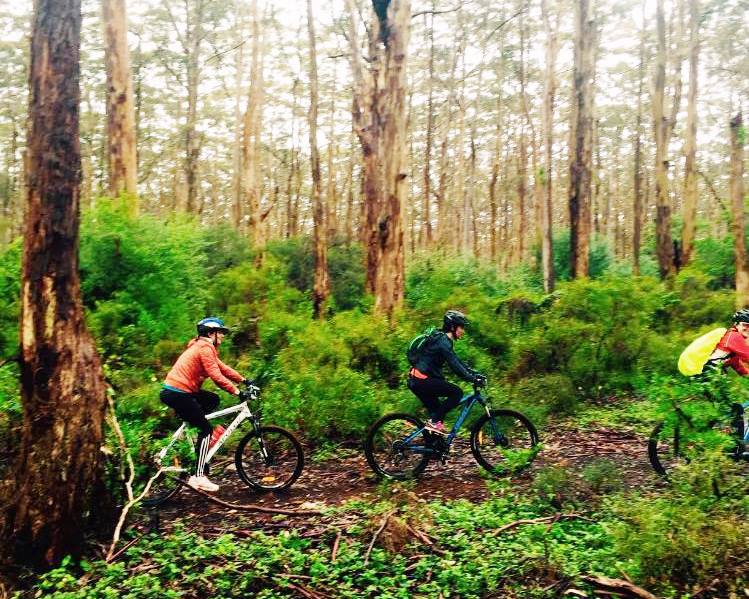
(216, 435)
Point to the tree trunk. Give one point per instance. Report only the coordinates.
(121, 157)
(193, 39)
(293, 159)
(459, 179)
(61, 380)
(427, 230)
(236, 156)
(547, 252)
(251, 148)
(321, 287)
(518, 213)
(350, 200)
(637, 210)
(380, 121)
(662, 125)
(582, 134)
(738, 137)
(690, 149)
(331, 189)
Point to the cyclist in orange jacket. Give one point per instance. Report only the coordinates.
(182, 389)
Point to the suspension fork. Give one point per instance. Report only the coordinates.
(263, 449)
(497, 435)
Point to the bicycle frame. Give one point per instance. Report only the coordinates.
(468, 401)
(682, 416)
(244, 413)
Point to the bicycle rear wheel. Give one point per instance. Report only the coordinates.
(269, 458)
(178, 462)
(505, 442)
(389, 451)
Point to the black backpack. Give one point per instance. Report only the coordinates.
(413, 353)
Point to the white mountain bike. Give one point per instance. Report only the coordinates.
(267, 458)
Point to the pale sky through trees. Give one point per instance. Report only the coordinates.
(157, 57)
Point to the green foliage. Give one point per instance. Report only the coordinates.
(599, 256)
(146, 282)
(143, 280)
(345, 267)
(555, 485)
(10, 291)
(687, 537)
(184, 563)
(550, 394)
(335, 378)
(432, 283)
(602, 476)
(596, 333)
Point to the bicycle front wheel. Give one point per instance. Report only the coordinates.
(504, 442)
(177, 462)
(395, 448)
(269, 459)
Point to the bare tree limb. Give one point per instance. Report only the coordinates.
(503, 23)
(618, 586)
(436, 12)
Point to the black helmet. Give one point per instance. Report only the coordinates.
(741, 316)
(211, 325)
(454, 318)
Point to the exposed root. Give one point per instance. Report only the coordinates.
(250, 507)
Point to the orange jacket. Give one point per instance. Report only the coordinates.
(197, 363)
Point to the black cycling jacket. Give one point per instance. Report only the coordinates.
(437, 350)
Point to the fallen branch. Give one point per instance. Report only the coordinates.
(705, 588)
(424, 538)
(125, 510)
(545, 519)
(377, 533)
(615, 585)
(250, 507)
(304, 591)
(127, 546)
(131, 499)
(336, 543)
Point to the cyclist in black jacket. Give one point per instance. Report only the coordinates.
(426, 380)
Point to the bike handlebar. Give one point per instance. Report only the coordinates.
(250, 391)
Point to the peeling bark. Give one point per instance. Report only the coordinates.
(61, 379)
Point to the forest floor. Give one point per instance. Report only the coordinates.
(333, 480)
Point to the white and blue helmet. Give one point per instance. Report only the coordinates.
(210, 325)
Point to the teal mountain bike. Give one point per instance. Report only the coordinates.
(502, 441)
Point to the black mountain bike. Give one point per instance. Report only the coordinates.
(680, 438)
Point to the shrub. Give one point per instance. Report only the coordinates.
(143, 280)
(596, 333)
(683, 539)
(552, 394)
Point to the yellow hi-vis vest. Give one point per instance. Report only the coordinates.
(692, 359)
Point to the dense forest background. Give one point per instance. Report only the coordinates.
(329, 178)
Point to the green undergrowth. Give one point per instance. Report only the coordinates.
(511, 545)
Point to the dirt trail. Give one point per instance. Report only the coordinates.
(335, 481)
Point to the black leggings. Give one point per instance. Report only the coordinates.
(192, 408)
(430, 389)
